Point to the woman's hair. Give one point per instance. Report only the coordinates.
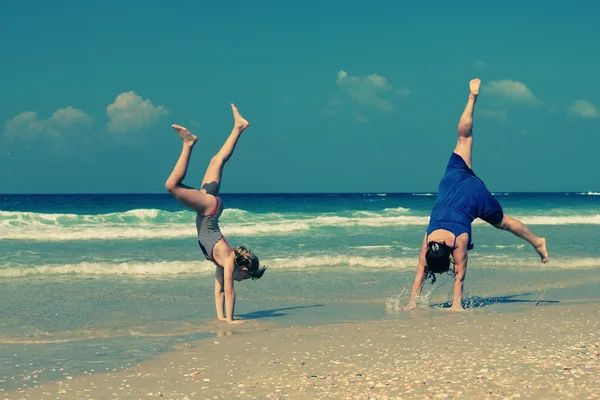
(245, 258)
(438, 259)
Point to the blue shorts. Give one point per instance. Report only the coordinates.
(462, 198)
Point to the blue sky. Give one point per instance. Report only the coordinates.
(341, 97)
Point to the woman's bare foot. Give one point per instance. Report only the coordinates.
(474, 86)
(185, 135)
(239, 121)
(542, 251)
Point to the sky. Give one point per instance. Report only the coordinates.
(349, 96)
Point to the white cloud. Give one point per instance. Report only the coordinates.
(512, 90)
(500, 115)
(403, 92)
(129, 112)
(585, 109)
(27, 125)
(368, 91)
(335, 101)
(360, 118)
(194, 123)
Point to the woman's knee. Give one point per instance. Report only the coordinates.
(504, 224)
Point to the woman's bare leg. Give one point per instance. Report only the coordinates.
(464, 145)
(519, 229)
(188, 196)
(212, 178)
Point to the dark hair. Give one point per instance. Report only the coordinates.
(438, 259)
(245, 258)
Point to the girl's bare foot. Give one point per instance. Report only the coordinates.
(185, 135)
(239, 121)
(541, 250)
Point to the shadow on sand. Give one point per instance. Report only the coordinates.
(276, 312)
(479, 302)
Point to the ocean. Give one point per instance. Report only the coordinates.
(96, 283)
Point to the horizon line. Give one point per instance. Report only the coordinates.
(501, 192)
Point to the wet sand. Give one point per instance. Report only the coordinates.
(545, 352)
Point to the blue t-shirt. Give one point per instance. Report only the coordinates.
(462, 197)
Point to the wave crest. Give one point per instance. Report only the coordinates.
(156, 224)
(170, 268)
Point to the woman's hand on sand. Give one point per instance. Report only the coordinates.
(412, 304)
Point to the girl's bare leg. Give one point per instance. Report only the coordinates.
(188, 196)
(212, 178)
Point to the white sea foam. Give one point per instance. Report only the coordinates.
(500, 246)
(133, 268)
(165, 231)
(199, 267)
(532, 261)
(374, 247)
(397, 209)
(561, 220)
(328, 261)
(155, 224)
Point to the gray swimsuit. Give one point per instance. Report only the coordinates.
(208, 230)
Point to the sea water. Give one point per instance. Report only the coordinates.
(93, 283)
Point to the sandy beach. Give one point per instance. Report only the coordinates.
(305, 168)
(545, 352)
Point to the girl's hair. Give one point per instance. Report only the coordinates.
(438, 259)
(245, 258)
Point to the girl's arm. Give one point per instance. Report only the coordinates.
(219, 293)
(225, 257)
(228, 267)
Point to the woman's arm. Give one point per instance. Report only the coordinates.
(419, 278)
(460, 271)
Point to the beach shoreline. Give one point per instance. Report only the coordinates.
(543, 352)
